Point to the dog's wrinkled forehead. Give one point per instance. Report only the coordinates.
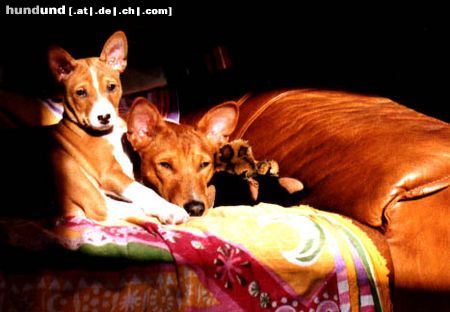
(190, 137)
(92, 70)
(183, 138)
(103, 69)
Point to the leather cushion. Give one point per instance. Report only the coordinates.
(358, 155)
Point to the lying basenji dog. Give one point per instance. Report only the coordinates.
(90, 171)
(177, 160)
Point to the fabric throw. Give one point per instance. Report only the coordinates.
(238, 258)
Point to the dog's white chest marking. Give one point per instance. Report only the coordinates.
(115, 139)
(101, 107)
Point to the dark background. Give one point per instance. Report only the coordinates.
(401, 53)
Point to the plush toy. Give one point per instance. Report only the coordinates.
(241, 179)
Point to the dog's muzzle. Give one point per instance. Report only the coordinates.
(194, 208)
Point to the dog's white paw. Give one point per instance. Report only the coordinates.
(154, 205)
(171, 214)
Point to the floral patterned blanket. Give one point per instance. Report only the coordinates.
(240, 258)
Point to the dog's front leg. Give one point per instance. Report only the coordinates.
(118, 183)
(154, 205)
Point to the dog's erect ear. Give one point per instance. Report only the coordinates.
(142, 120)
(219, 122)
(61, 63)
(115, 51)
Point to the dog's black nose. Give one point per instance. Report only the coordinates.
(104, 119)
(194, 208)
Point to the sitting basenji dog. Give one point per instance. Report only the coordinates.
(82, 158)
(177, 160)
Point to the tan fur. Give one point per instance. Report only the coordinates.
(178, 160)
(86, 168)
(89, 166)
(185, 150)
(84, 163)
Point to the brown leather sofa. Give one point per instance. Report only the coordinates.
(375, 161)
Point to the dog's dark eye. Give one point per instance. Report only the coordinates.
(111, 87)
(204, 164)
(165, 165)
(81, 93)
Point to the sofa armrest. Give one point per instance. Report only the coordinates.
(357, 155)
(373, 160)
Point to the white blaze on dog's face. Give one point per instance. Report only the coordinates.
(93, 90)
(178, 160)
